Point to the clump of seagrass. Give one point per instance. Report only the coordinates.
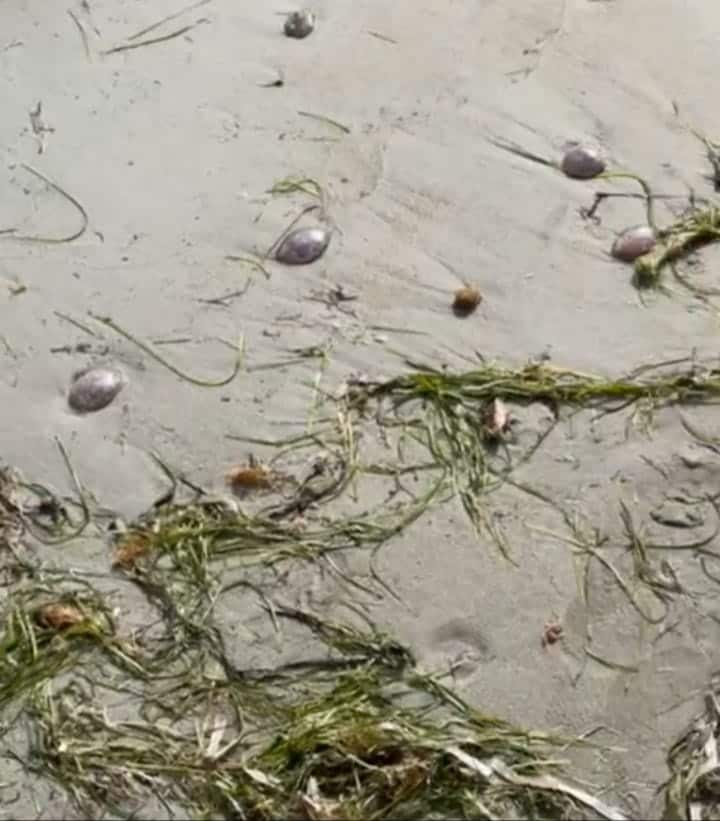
(697, 228)
(538, 382)
(32, 509)
(693, 790)
(360, 734)
(43, 633)
(651, 248)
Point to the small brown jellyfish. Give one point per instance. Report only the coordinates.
(130, 551)
(582, 163)
(299, 24)
(633, 243)
(95, 388)
(303, 246)
(247, 478)
(466, 300)
(59, 616)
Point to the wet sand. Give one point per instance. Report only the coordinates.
(171, 149)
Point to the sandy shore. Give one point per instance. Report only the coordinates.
(171, 149)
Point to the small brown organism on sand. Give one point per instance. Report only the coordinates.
(303, 246)
(552, 633)
(95, 388)
(129, 550)
(59, 616)
(246, 478)
(582, 163)
(466, 300)
(633, 243)
(298, 24)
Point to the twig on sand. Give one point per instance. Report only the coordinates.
(167, 19)
(223, 300)
(83, 328)
(83, 34)
(294, 185)
(257, 264)
(327, 120)
(712, 150)
(382, 37)
(601, 196)
(82, 499)
(505, 145)
(648, 195)
(154, 40)
(54, 240)
(203, 383)
(334, 298)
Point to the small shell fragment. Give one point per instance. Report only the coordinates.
(466, 300)
(59, 616)
(633, 243)
(303, 246)
(582, 163)
(496, 419)
(299, 24)
(95, 388)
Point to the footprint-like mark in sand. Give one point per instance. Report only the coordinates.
(461, 645)
(355, 167)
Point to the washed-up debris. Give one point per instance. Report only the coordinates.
(93, 389)
(130, 550)
(700, 226)
(334, 297)
(12, 233)
(133, 41)
(253, 476)
(39, 127)
(328, 120)
(693, 791)
(712, 149)
(552, 634)
(303, 246)
(582, 163)
(59, 616)
(633, 243)
(298, 24)
(496, 419)
(466, 300)
(148, 349)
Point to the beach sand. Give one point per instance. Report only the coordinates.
(171, 149)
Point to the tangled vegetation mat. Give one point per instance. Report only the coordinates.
(145, 707)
